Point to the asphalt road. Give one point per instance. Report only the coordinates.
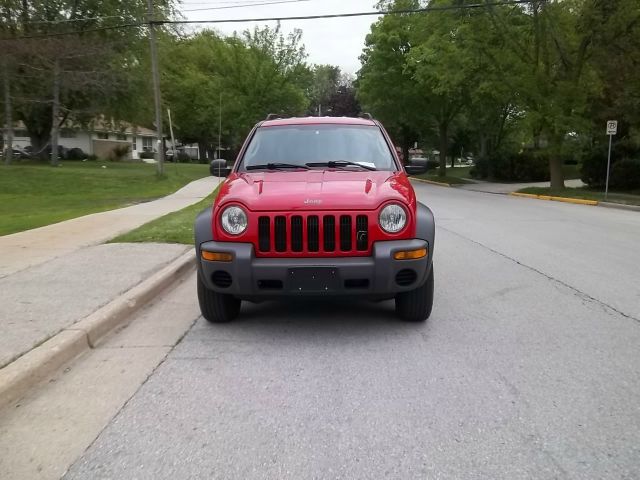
(528, 368)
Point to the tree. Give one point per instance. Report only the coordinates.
(343, 103)
(73, 65)
(325, 82)
(253, 74)
(386, 85)
(556, 43)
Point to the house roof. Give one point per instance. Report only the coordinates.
(100, 125)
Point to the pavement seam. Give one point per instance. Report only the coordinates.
(580, 293)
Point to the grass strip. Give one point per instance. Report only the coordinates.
(175, 227)
(34, 195)
(626, 198)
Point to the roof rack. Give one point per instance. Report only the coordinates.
(366, 115)
(274, 116)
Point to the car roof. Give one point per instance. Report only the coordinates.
(317, 121)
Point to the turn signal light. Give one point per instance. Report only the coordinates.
(410, 254)
(217, 256)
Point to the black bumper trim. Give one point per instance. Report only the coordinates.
(255, 277)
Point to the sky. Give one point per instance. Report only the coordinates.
(337, 41)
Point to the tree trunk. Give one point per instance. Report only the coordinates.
(557, 175)
(8, 133)
(38, 145)
(444, 140)
(483, 145)
(55, 121)
(202, 151)
(405, 152)
(555, 162)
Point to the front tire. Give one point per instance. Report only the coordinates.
(415, 305)
(217, 307)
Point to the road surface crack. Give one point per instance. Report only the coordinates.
(577, 292)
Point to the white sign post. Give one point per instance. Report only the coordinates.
(612, 129)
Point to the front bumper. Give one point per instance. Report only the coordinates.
(379, 275)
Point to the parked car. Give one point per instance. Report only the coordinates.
(315, 207)
(17, 153)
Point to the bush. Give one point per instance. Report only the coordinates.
(594, 168)
(76, 154)
(530, 166)
(594, 163)
(93, 157)
(147, 155)
(183, 157)
(625, 174)
(119, 152)
(527, 166)
(481, 169)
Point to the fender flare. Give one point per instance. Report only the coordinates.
(202, 229)
(426, 227)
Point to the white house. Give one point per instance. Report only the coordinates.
(100, 136)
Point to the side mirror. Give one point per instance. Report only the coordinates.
(218, 168)
(416, 166)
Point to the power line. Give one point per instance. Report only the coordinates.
(235, 4)
(64, 34)
(354, 14)
(69, 20)
(283, 19)
(243, 5)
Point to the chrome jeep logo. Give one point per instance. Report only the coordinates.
(312, 201)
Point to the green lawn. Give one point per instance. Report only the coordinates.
(455, 176)
(629, 198)
(458, 172)
(34, 195)
(448, 179)
(176, 227)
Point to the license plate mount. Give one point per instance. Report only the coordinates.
(313, 279)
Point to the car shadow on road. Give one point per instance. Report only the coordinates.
(309, 319)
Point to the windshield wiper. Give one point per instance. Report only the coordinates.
(275, 166)
(338, 164)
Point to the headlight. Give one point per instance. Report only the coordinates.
(393, 218)
(234, 220)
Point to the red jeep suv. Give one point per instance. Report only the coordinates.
(312, 207)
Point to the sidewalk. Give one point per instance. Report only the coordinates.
(53, 276)
(38, 302)
(504, 188)
(33, 247)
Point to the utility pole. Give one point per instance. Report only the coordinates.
(220, 126)
(8, 133)
(156, 88)
(55, 113)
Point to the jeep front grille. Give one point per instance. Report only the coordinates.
(302, 233)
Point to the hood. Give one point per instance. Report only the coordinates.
(315, 190)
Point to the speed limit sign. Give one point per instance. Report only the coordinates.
(612, 127)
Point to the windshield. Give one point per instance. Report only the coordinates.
(307, 144)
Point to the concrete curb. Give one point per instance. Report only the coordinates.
(36, 365)
(442, 184)
(578, 201)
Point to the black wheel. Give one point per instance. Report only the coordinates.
(217, 307)
(415, 305)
